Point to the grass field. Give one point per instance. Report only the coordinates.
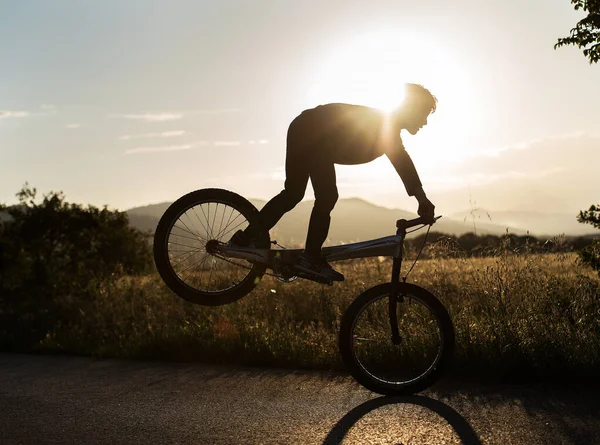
(516, 315)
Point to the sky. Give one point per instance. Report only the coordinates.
(128, 103)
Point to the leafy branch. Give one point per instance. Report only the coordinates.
(586, 34)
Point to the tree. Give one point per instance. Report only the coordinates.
(591, 216)
(590, 255)
(586, 34)
(53, 258)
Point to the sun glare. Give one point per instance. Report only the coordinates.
(371, 68)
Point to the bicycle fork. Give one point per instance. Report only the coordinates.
(394, 297)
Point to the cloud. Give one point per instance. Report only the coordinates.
(164, 134)
(73, 126)
(238, 143)
(158, 149)
(278, 174)
(48, 109)
(149, 117)
(481, 178)
(163, 117)
(536, 142)
(6, 114)
(218, 111)
(575, 151)
(556, 172)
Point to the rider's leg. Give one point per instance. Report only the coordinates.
(297, 162)
(287, 199)
(322, 177)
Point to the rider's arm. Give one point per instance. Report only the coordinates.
(405, 168)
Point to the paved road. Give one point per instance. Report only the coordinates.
(57, 399)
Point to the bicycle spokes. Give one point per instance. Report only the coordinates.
(189, 257)
(409, 352)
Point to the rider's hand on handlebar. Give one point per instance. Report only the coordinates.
(426, 209)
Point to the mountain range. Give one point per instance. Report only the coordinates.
(354, 219)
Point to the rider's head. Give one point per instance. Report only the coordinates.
(418, 103)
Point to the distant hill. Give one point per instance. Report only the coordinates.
(353, 219)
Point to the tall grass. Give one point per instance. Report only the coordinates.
(515, 314)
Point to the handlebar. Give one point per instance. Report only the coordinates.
(408, 223)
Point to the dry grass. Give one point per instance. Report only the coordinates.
(514, 315)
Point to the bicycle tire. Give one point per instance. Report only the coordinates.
(360, 371)
(164, 232)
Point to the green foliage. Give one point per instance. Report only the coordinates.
(586, 34)
(53, 253)
(591, 216)
(590, 255)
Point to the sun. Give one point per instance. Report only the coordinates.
(372, 67)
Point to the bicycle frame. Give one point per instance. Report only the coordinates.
(386, 246)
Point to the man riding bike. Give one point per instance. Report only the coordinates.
(342, 134)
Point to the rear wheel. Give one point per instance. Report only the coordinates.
(425, 349)
(201, 218)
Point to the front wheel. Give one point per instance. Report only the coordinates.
(181, 255)
(425, 347)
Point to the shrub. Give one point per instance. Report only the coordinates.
(53, 252)
(590, 255)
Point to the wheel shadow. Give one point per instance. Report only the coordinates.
(464, 430)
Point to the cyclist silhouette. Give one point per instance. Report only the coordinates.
(342, 134)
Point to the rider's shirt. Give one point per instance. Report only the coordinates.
(353, 134)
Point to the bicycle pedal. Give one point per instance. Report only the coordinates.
(316, 278)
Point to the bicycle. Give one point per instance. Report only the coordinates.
(377, 331)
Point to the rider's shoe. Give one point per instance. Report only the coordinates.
(319, 266)
(240, 239)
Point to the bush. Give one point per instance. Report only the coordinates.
(54, 254)
(590, 255)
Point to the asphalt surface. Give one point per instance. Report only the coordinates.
(58, 399)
